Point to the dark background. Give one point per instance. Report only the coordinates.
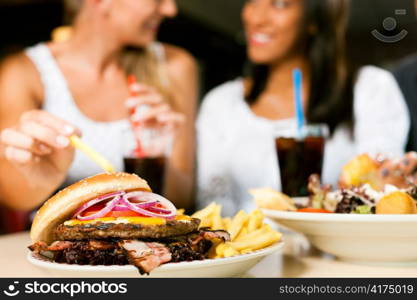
(211, 31)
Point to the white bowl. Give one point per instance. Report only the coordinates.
(220, 267)
(386, 239)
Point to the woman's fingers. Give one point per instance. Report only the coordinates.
(157, 109)
(20, 156)
(397, 169)
(37, 134)
(45, 135)
(13, 138)
(171, 118)
(137, 89)
(147, 99)
(408, 163)
(154, 112)
(48, 120)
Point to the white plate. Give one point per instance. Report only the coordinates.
(221, 267)
(386, 239)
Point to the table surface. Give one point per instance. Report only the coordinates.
(297, 259)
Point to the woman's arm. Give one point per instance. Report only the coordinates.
(382, 120)
(32, 163)
(183, 77)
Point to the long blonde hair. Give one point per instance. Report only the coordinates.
(145, 63)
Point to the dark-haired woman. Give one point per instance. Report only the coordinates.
(364, 110)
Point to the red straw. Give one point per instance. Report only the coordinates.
(131, 80)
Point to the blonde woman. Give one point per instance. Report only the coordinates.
(78, 86)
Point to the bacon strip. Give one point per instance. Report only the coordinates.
(55, 246)
(146, 256)
(215, 234)
(101, 245)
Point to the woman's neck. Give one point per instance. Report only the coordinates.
(92, 48)
(280, 75)
(276, 102)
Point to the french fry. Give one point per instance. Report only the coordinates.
(260, 241)
(225, 250)
(237, 223)
(205, 215)
(219, 250)
(77, 143)
(256, 219)
(246, 251)
(213, 250)
(217, 223)
(226, 223)
(264, 229)
(229, 251)
(243, 232)
(180, 212)
(247, 232)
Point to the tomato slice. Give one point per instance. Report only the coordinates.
(92, 210)
(113, 214)
(127, 213)
(314, 210)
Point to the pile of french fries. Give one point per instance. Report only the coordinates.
(248, 232)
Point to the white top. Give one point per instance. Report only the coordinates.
(108, 138)
(236, 150)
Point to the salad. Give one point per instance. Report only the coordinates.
(367, 185)
(362, 199)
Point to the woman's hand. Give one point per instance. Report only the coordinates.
(399, 172)
(151, 110)
(153, 120)
(39, 147)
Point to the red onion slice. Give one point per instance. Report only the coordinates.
(158, 210)
(108, 208)
(145, 197)
(95, 201)
(122, 207)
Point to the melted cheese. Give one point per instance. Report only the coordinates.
(119, 220)
(183, 218)
(127, 220)
(143, 220)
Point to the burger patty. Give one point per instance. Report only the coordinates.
(102, 230)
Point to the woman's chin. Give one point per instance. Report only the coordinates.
(260, 60)
(260, 57)
(141, 42)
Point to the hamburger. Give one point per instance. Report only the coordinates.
(115, 219)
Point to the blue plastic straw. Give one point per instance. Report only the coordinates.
(298, 89)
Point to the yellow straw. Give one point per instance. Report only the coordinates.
(77, 143)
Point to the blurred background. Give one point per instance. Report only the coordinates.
(212, 32)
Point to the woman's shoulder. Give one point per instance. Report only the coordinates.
(225, 94)
(381, 118)
(178, 59)
(221, 102)
(18, 63)
(377, 91)
(182, 74)
(17, 71)
(374, 75)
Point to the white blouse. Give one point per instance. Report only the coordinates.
(236, 150)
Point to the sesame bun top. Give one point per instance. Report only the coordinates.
(62, 205)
